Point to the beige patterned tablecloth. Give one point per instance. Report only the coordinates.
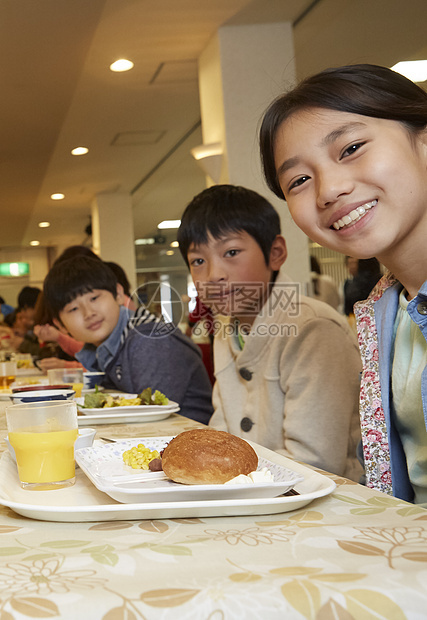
(355, 554)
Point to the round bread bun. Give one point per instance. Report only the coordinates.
(207, 456)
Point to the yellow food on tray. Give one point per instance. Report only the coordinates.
(139, 457)
(99, 400)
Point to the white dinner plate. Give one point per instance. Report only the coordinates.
(84, 503)
(104, 465)
(123, 415)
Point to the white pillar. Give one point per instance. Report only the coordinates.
(112, 231)
(241, 71)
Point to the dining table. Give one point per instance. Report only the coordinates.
(347, 553)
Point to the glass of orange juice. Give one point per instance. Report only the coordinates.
(7, 374)
(43, 435)
(68, 376)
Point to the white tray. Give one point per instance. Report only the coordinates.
(83, 502)
(104, 466)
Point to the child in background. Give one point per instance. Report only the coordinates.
(347, 150)
(135, 351)
(286, 366)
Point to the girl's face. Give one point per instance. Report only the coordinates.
(353, 183)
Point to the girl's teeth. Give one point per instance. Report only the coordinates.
(354, 215)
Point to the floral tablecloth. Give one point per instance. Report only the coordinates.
(355, 554)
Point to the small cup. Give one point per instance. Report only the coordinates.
(7, 374)
(43, 436)
(92, 379)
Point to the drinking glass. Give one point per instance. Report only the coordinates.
(7, 374)
(42, 436)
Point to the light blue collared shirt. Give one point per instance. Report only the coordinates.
(98, 358)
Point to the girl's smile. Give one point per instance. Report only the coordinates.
(353, 183)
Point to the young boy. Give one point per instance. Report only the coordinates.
(135, 351)
(286, 366)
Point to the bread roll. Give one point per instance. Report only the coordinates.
(207, 456)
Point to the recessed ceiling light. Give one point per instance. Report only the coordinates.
(34, 242)
(415, 70)
(170, 253)
(44, 224)
(80, 150)
(169, 224)
(174, 244)
(121, 65)
(148, 241)
(57, 196)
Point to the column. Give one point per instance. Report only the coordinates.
(112, 231)
(241, 71)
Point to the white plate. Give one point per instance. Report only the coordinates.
(83, 502)
(123, 415)
(111, 417)
(105, 467)
(125, 409)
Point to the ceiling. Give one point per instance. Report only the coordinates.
(139, 126)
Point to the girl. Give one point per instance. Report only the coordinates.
(347, 150)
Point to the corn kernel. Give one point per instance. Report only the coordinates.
(138, 457)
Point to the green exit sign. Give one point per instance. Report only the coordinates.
(14, 269)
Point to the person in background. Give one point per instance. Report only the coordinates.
(286, 366)
(5, 308)
(135, 350)
(323, 287)
(358, 288)
(123, 281)
(347, 150)
(22, 321)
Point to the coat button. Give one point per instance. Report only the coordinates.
(245, 374)
(422, 308)
(246, 424)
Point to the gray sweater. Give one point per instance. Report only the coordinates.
(143, 353)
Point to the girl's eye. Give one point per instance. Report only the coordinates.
(298, 182)
(351, 149)
(232, 253)
(196, 262)
(94, 297)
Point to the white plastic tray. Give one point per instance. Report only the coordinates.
(104, 466)
(83, 502)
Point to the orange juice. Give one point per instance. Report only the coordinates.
(77, 387)
(44, 457)
(6, 381)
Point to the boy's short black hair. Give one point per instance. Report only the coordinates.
(73, 277)
(221, 209)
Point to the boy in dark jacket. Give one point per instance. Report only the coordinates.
(135, 351)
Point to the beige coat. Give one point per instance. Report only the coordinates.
(294, 388)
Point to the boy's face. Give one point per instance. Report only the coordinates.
(91, 317)
(231, 275)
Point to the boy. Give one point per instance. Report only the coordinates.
(135, 351)
(286, 366)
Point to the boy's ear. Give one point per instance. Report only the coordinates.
(278, 253)
(120, 297)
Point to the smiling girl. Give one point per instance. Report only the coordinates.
(347, 150)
